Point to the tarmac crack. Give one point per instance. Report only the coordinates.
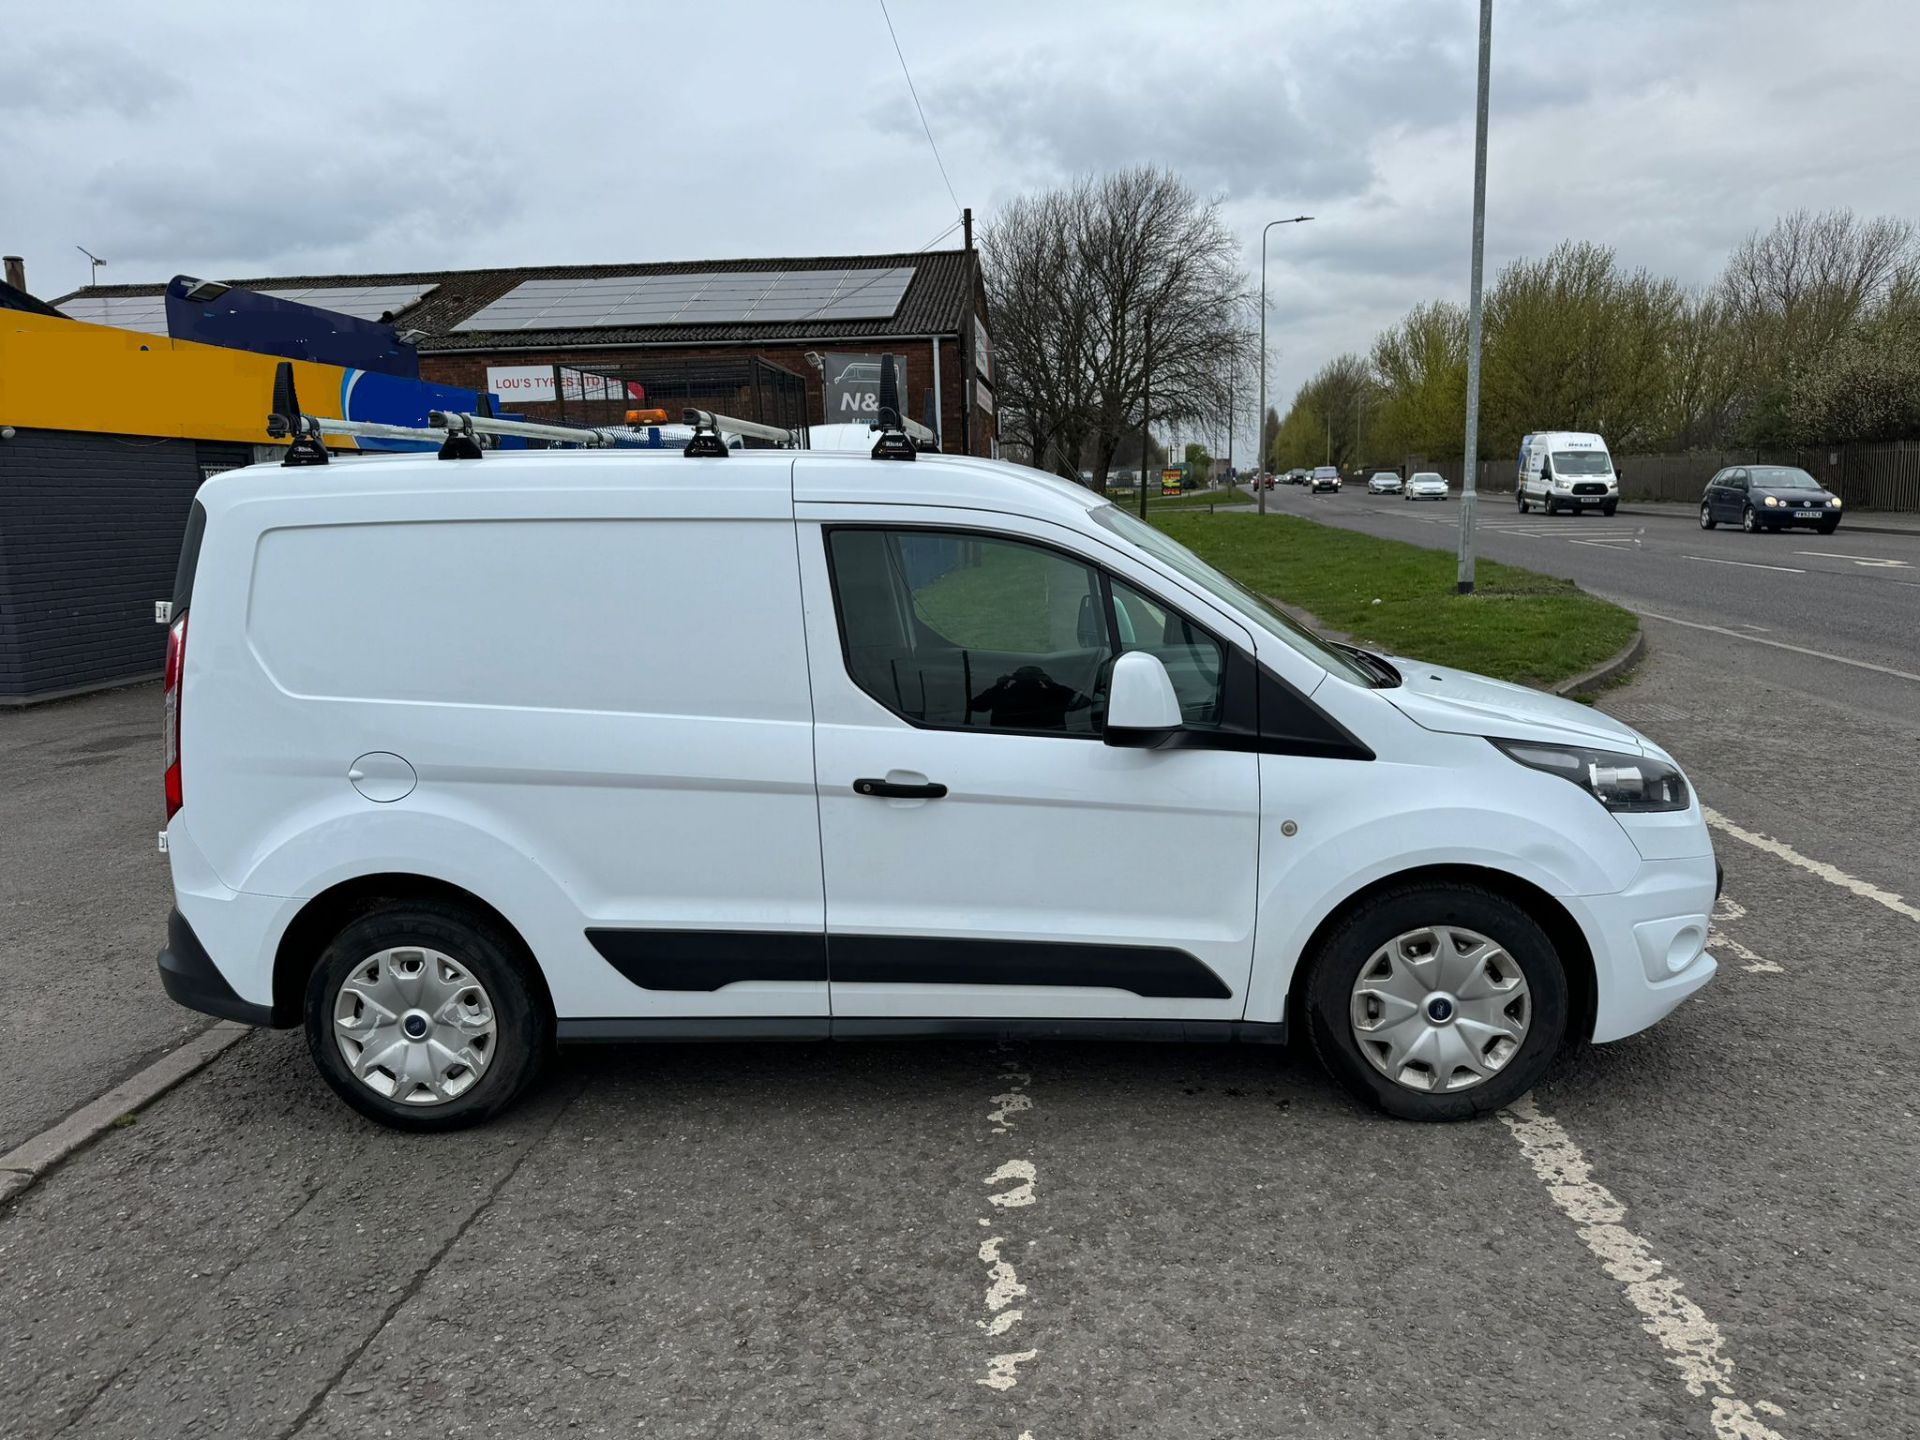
(420, 1275)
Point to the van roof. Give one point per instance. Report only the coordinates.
(1568, 437)
(961, 481)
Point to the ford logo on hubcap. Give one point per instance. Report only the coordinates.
(1439, 1009)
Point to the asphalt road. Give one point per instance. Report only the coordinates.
(1704, 1231)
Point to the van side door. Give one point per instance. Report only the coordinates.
(986, 855)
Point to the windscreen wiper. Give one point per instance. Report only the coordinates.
(1374, 664)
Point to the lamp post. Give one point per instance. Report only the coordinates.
(1470, 466)
(1260, 465)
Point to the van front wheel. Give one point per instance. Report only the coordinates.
(1437, 1002)
(421, 1016)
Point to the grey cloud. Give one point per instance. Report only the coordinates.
(65, 80)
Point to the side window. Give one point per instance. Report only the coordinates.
(1738, 480)
(1195, 661)
(971, 631)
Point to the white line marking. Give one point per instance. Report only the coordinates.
(1001, 1376)
(1718, 939)
(1623, 541)
(1782, 645)
(1744, 564)
(1832, 874)
(1021, 1194)
(1003, 1282)
(1873, 561)
(1693, 1343)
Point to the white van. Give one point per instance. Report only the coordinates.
(468, 757)
(1566, 470)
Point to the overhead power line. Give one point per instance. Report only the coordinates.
(917, 106)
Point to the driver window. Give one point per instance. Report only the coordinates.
(1194, 659)
(968, 631)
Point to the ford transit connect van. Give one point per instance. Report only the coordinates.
(468, 758)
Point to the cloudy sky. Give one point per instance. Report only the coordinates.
(222, 139)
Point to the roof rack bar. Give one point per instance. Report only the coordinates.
(456, 423)
(749, 429)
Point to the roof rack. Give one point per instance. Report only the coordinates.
(897, 433)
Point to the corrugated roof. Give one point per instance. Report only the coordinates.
(936, 303)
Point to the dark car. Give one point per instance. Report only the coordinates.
(1769, 497)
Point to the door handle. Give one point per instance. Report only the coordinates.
(888, 790)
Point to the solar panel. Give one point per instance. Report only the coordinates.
(149, 312)
(724, 297)
(128, 312)
(363, 302)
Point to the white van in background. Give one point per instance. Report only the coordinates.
(464, 758)
(1566, 470)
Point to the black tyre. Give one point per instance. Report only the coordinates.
(424, 1016)
(1437, 1002)
(1609, 507)
(1552, 506)
(1707, 522)
(1520, 499)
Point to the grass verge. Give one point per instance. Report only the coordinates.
(1518, 625)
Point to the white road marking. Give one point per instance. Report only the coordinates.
(1692, 1341)
(1871, 561)
(1782, 645)
(1832, 874)
(1004, 1285)
(1021, 1194)
(1718, 939)
(1000, 1369)
(1625, 540)
(1744, 564)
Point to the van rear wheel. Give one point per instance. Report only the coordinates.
(1437, 1002)
(421, 1016)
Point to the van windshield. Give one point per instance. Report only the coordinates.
(1231, 593)
(1581, 462)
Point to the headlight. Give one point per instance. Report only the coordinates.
(1632, 783)
(1769, 501)
(1834, 501)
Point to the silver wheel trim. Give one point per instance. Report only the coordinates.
(1440, 1009)
(414, 1026)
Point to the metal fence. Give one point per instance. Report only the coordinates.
(1882, 476)
(746, 387)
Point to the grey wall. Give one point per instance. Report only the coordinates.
(90, 531)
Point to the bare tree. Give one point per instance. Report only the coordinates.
(1074, 275)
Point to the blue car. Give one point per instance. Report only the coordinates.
(1769, 497)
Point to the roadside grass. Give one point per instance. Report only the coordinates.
(1518, 625)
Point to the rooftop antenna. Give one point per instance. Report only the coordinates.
(95, 261)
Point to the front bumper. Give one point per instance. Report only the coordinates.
(1649, 942)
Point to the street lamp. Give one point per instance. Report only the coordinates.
(1470, 465)
(1260, 419)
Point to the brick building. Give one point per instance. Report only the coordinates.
(582, 342)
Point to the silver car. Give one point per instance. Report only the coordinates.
(1426, 485)
(1384, 482)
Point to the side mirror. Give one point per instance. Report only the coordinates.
(1142, 710)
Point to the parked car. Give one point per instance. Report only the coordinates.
(431, 794)
(1769, 497)
(1325, 477)
(1384, 482)
(1567, 470)
(1426, 485)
